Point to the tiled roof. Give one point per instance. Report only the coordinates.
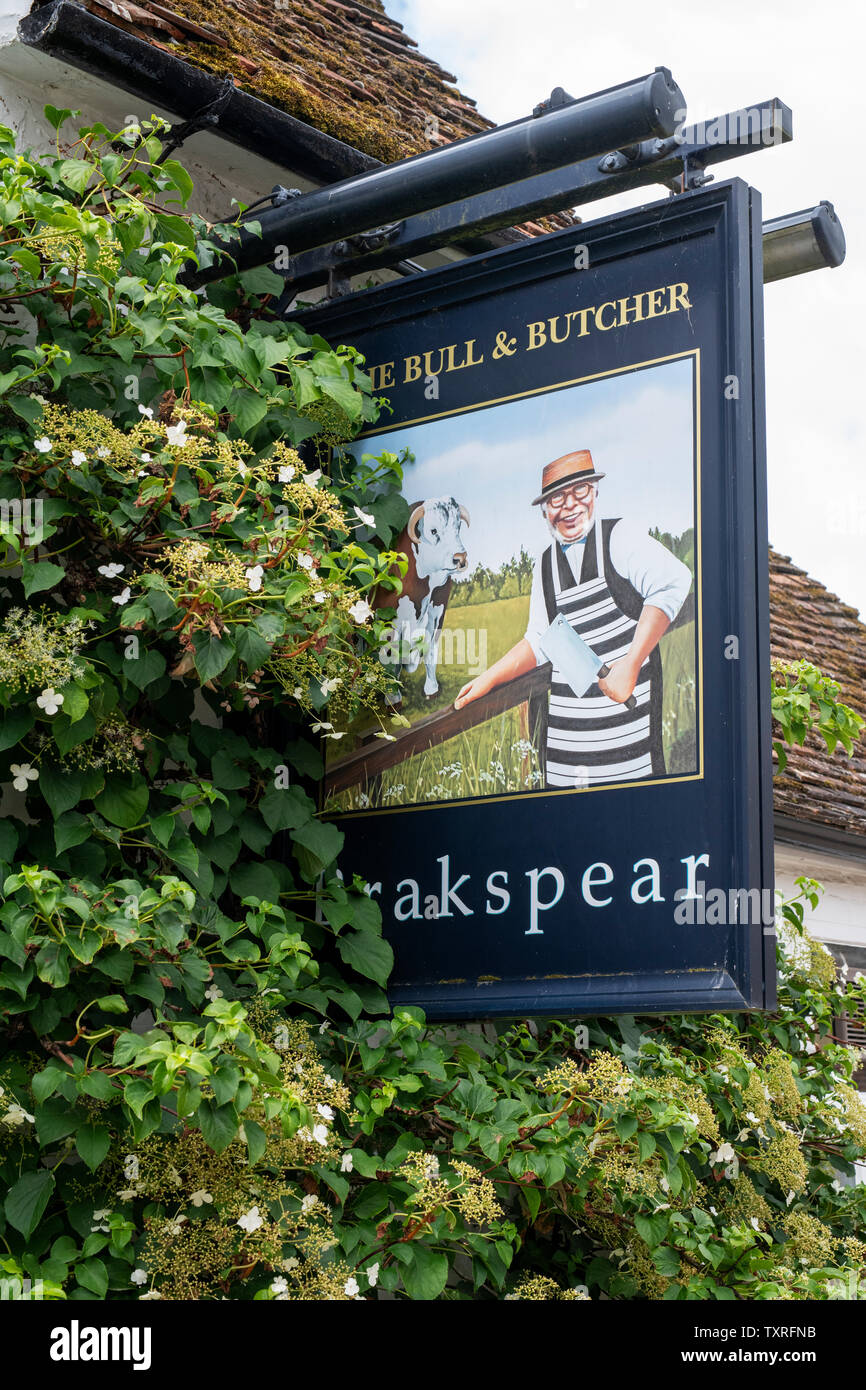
(345, 68)
(806, 621)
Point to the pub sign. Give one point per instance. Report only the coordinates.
(577, 818)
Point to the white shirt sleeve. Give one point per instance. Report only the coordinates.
(659, 577)
(538, 619)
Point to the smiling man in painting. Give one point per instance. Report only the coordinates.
(603, 594)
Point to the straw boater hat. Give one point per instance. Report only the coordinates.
(576, 467)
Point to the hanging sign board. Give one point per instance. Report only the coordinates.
(578, 818)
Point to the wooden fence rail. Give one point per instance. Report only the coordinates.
(368, 762)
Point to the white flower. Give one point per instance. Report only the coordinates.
(145, 458)
(286, 473)
(175, 1227)
(320, 1134)
(319, 596)
(750, 1115)
(753, 1221)
(42, 445)
(347, 1164)
(17, 1115)
(254, 577)
(251, 1220)
(312, 478)
(78, 457)
(723, 1154)
(130, 1167)
(291, 1263)
(372, 1273)
(22, 773)
(664, 1184)
(352, 1287)
(810, 1048)
(298, 693)
(49, 700)
(279, 1285)
(110, 571)
(123, 598)
(367, 519)
(177, 436)
(308, 1203)
(146, 410)
(138, 1276)
(151, 1293)
(200, 1197)
(317, 728)
(213, 992)
(103, 453)
(325, 1111)
(305, 560)
(360, 611)
(330, 685)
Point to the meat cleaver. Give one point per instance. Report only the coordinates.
(576, 661)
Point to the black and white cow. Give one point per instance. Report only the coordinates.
(434, 545)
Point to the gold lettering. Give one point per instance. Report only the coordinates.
(537, 336)
(679, 298)
(429, 369)
(629, 305)
(471, 359)
(581, 316)
(654, 303)
(380, 375)
(413, 368)
(598, 313)
(553, 335)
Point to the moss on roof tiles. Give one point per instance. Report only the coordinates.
(308, 54)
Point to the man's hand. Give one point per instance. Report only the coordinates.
(621, 680)
(470, 691)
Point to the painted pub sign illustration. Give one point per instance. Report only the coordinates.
(577, 818)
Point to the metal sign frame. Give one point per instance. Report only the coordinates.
(631, 954)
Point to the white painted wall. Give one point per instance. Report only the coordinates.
(840, 918)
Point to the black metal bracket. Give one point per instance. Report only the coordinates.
(374, 240)
(676, 162)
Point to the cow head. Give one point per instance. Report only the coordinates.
(436, 531)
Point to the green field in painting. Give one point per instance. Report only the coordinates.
(497, 757)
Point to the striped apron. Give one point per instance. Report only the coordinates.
(590, 738)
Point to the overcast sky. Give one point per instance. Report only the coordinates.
(508, 54)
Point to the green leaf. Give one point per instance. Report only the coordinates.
(652, 1229)
(71, 829)
(257, 1140)
(61, 788)
(252, 880)
(323, 841)
(146, 668)
(98, 1085)
(262, 280)
(16, 725)
(75, 702)
(179, 177)
(212, 655)
(218, 1124)
(112, 1004)
(425, 1277)
(248, 408)
(75, 173)
(39, 576)
(124, 800)
(368, 954)
(93, 1143)
(93, 1276)
(286, 808)
(27, 1200)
